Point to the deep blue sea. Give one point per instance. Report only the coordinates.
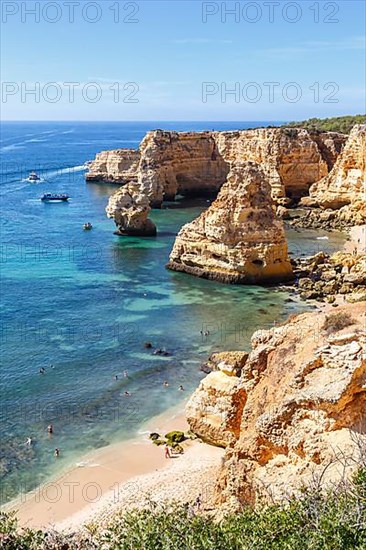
(82, 304)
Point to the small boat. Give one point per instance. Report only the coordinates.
(51, 197)
(87, 226)
(33, 176)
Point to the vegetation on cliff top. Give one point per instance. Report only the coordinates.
(316, 521)
(343, 124)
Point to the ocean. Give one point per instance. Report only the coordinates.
(83, 304)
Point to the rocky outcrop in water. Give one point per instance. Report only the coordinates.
(130, 210)
(118, 166)
(296, 412)
(238, 239)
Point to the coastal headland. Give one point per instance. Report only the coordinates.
(264, 421)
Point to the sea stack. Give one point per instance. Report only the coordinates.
(239, 238)
(130, 210)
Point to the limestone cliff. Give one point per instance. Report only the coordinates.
(297, 411)
(292, 158)
(197, 163)
(118, 166)
(346, 183)
(216, 407)
(184, 163)
(238, 239)
(130, 210)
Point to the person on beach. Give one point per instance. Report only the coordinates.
(50, 429)
(57, 452)
(167, 452)
(198, 502)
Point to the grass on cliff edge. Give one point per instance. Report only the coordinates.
(316, 521)
(343, 124)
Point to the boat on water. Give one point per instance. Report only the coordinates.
(33, 176)
(52, 197)
(87, 226)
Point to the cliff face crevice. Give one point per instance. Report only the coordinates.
(345, 185)
(238, 239)
(304, 412)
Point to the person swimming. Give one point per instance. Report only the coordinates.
(50, 429)
(181, 388)
(166, 384)
(57, 452)
(127, 394)
(42, 370)
(29, 441)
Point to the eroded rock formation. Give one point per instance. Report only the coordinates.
(342, 194)
(197, 163)
(216, 407)
(186, 163)
(130, 210)
(292, 158)
(118, 166)
(296, 411)
(346, 182)
(238, 239)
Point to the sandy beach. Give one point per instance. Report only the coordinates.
(132, 473)
(357, 241)
(124, 474)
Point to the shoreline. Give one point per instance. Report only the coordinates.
(96, 473)
(132, 472)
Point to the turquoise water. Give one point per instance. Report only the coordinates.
(86, 302)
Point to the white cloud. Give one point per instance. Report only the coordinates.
(315, 46)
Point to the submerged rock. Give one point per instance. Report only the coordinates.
(238, 239)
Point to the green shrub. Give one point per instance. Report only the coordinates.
(175, 437)
(337, 321)
(343, 124)
(159, 442)
(333, 520)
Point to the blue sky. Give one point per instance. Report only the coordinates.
(284, 60)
